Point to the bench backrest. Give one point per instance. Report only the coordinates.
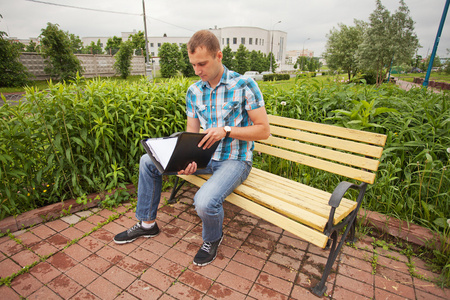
(351, 153)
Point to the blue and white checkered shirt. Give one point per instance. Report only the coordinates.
(226, 105)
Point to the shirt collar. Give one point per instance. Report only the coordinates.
(224, 80)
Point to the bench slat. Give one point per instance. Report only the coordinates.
(346, 158)
(268, 200)
(298, 229)
(336, 143)
(317, 163)
(331, 130)
(299, 195)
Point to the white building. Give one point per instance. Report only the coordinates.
(253, 38)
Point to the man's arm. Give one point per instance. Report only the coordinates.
(260, 130)
(193, 125)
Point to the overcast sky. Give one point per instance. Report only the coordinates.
(300, 19)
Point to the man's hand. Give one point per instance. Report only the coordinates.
(190, 169)
(213, 135)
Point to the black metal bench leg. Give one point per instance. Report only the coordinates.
(176, 188)
(321, 288)
(352, 233)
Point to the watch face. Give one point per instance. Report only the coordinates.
(227, 128)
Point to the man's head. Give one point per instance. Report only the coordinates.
(206, 39)
(206, 57)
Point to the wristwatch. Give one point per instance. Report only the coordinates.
(227, 130)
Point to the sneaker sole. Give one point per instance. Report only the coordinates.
(207, 263)
(129, 241)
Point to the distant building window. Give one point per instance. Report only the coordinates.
(228, 41)
(262, 40)
(152, 45)
(250, 41)
(159, 45)
(256, 41)
(234, 41)
(243, 41)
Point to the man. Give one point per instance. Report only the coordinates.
(230, 108)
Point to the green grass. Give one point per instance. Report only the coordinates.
(434, 76)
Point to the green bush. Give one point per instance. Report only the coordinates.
(75, 139)
(12, 72)
(276, 77)
(123, 59)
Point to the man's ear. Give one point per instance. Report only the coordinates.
(219, 55)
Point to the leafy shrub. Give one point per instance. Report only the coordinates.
(123, 59)
(12, 72)
(75, 139)
(272, 77)
(56, 48)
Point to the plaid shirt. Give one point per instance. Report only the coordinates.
(226, 105)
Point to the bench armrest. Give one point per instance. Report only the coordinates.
(340, 191)
(337, 196)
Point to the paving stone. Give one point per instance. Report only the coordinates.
(8, 267)
(72, 219)
(256, 260)
(84, 213)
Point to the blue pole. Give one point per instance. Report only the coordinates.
(436, 43)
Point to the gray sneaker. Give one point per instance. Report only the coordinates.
(207, 253)
(134, 232)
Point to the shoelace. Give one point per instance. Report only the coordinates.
(206, 246)
(136, 226)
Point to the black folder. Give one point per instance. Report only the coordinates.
(174, 153)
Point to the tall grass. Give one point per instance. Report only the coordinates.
(80, 137)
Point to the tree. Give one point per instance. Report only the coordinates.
(274, 62)
(227, 58)
(258, 61)
(389, 39)
(123, 59)
(31, 47)
(170, 58)
(93, 48)
(241, 60)
(446, 65)
(113, 45)
(342, 46)
(138, 41)
(75, 43)
(186, 68)
(57, 52)
(12, 71)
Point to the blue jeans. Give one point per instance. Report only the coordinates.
(226, 176)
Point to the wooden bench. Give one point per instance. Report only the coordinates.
(312, 214)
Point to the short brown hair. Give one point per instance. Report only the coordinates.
(204, 38)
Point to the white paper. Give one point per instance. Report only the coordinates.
(162, 149)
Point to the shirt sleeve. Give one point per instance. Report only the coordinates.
(190, 100)
(253, 96)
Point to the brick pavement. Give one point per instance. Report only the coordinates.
(75, 258)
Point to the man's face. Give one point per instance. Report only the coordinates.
(206, 66)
